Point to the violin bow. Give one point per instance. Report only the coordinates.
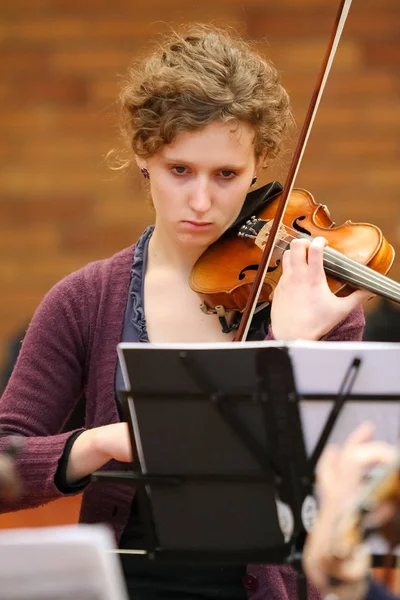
(330, 52)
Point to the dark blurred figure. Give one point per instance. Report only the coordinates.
(383, 323)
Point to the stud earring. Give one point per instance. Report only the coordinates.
(145, 173)
(253, 180)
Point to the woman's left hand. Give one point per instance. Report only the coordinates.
(303, 306)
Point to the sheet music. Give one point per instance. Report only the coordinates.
(319, 367)
(60, 563)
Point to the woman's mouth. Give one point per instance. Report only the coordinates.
(197, 224)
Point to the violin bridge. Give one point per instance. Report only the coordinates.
(264, 232)
(259, 230)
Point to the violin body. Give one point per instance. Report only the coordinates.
(224, 274)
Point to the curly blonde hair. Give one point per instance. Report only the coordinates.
(201, 75)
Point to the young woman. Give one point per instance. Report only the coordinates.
(202, 116)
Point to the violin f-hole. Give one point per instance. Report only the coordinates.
(298, 227)
(270, 269)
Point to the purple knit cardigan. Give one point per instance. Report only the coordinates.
(71, 345)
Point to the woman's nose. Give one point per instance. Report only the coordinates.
(200, 199)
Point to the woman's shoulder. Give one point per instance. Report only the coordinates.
(83, 289)
(97, 274)
(117, 263)
(75, 302)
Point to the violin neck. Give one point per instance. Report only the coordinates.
(359, 276)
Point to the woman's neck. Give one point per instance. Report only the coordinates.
(165, 253)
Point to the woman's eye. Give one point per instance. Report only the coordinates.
(179, 170)
(226, 174)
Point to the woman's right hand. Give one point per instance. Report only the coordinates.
(95, 447)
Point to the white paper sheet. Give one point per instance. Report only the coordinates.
(60, 563)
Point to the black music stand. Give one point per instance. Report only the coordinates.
(222, 472)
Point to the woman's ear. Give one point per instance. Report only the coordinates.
(141, 162)
(260, 164)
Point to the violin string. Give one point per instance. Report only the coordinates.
(362, 274)
(359, 274)
(368, 282)
(352, 271)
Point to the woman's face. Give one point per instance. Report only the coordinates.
(199, 182)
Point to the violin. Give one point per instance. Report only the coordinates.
(357, 255)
